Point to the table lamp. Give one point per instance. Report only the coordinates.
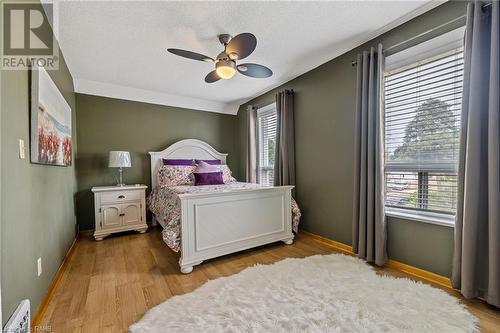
(119, 159)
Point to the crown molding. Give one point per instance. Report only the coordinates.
(111, 90)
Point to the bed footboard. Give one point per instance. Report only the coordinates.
(215, 224)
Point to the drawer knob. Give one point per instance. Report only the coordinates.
(122, 214)
(121, 197)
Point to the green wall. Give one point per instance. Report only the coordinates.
(106, 124)
(37, 216)
(324, 143)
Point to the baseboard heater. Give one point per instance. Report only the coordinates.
(19, 322)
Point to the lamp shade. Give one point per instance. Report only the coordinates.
(119, 159)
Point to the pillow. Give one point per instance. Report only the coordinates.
(208, 178)
(212, 162)
(204, 167)
(185, 162)
(174, 175)
(226, 174)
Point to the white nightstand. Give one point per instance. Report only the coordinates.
(119, 208)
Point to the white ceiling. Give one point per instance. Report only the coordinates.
(118, 49)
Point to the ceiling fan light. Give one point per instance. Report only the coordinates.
(233, 56)
(225, 69)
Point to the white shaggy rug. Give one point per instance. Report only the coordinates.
(323, 293)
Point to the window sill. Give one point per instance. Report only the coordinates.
(426, 217)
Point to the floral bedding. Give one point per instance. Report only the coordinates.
(165, 204)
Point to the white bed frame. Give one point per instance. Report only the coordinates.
(215, 224)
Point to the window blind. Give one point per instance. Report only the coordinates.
(422, 130)
(266, 126)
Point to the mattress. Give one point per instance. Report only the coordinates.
(165, 204)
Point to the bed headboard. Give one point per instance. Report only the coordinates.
(184, 149)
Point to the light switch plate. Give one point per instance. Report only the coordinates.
(21, 149)
(39, 266)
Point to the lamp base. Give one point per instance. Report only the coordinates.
(121, 185)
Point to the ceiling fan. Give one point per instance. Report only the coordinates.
(235, 48)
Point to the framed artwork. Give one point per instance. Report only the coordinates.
(50, 118)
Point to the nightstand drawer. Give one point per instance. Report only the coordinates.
(118, 196)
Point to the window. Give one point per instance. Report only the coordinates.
(422, 129)
(266, 139)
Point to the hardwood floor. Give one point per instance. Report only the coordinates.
(109, 285)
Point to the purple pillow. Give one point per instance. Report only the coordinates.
(212, 162)
(168, 161)
(208, 178)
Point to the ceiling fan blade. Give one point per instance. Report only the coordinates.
(190, 55)
(254, 70)
(241, 46)
(212, 77)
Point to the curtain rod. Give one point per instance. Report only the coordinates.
(392, 47)
(261, 105)
(457, 19)
(420, 35)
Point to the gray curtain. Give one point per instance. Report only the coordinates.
(284, 163)
(251, 141)
(369, 225)
(476, 263)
